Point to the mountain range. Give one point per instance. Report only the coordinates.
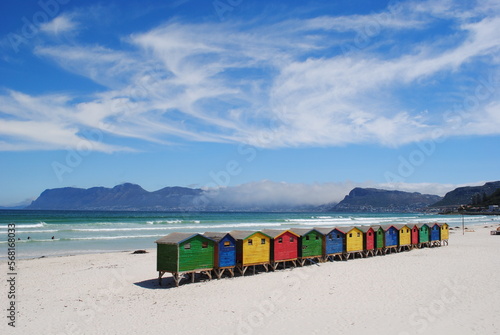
(132, 197)
(376, 200)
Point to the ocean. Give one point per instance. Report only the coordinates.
(57, 233)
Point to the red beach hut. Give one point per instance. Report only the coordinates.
(414, 235)
(369, 240)
(284, 246)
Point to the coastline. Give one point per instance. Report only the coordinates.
(450, 289)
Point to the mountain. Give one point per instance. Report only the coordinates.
(464, 195)
(121, 197)
(377, 200)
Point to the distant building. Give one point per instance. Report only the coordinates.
(493, 208)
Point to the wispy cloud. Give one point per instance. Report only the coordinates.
(279, 84)
(61, 24)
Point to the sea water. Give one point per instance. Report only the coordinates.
(56, 233)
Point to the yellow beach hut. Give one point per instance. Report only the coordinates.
(252, 248)
(353, 241)
(404, 237)
(445, 233)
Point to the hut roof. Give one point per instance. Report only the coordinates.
(217, 236)
(401, 225)
(346, 229)
(244, 234)
(325, 230)
(387, 226)
(273, 233)
(176, 238)
(365, 229)
(304, 231)
(420, 225)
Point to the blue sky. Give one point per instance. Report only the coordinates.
(266, 98)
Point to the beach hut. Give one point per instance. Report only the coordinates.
(391, 235)
(379, 240)
(184, 253)
(310, 245)
(414, 235)
(445, 233)
(435, 234)
(284, 247)
(225, 252)
(368, 240)
(424, 235)
(404, 237)
(252, 248)
(353, 241)
(333, 243)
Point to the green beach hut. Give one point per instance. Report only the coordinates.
(424, 235)
(310, 245)
(379, 240)
(181, 253)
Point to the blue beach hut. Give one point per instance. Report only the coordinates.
(334, 243)
(435, 234)
(391, 238)
(224, 254)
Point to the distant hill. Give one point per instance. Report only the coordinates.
(122, 197)
(464, 195)
(377, 200)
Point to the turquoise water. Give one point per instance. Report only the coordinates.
(77, 232)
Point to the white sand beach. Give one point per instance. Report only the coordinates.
(453, 289)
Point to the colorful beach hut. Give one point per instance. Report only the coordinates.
(435, 234)
(284, 247)
(424, 235)
(184, 253)
(379, 240)
(354, 241)
(368, 240)
(224, 254)
(253, 248)
(445, 233)
(414, 235)
(391, 235)
(333, 243)
(310, 245)
(404, 237)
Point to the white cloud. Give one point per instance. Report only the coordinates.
(277, 85)
(270, 193)
(61, 24)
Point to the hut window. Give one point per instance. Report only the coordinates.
(204, 245)
(263, 241)
(187, 246)
(358, 234)
(370, 234)
(407, 230)
(317, 237)
(280, 240)
(292, 239)
(227, 244)
(338, 236)
(250, 241)
(307, 237)
(350, 235)
(379, 232)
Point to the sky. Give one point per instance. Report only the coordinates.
(296, 99)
